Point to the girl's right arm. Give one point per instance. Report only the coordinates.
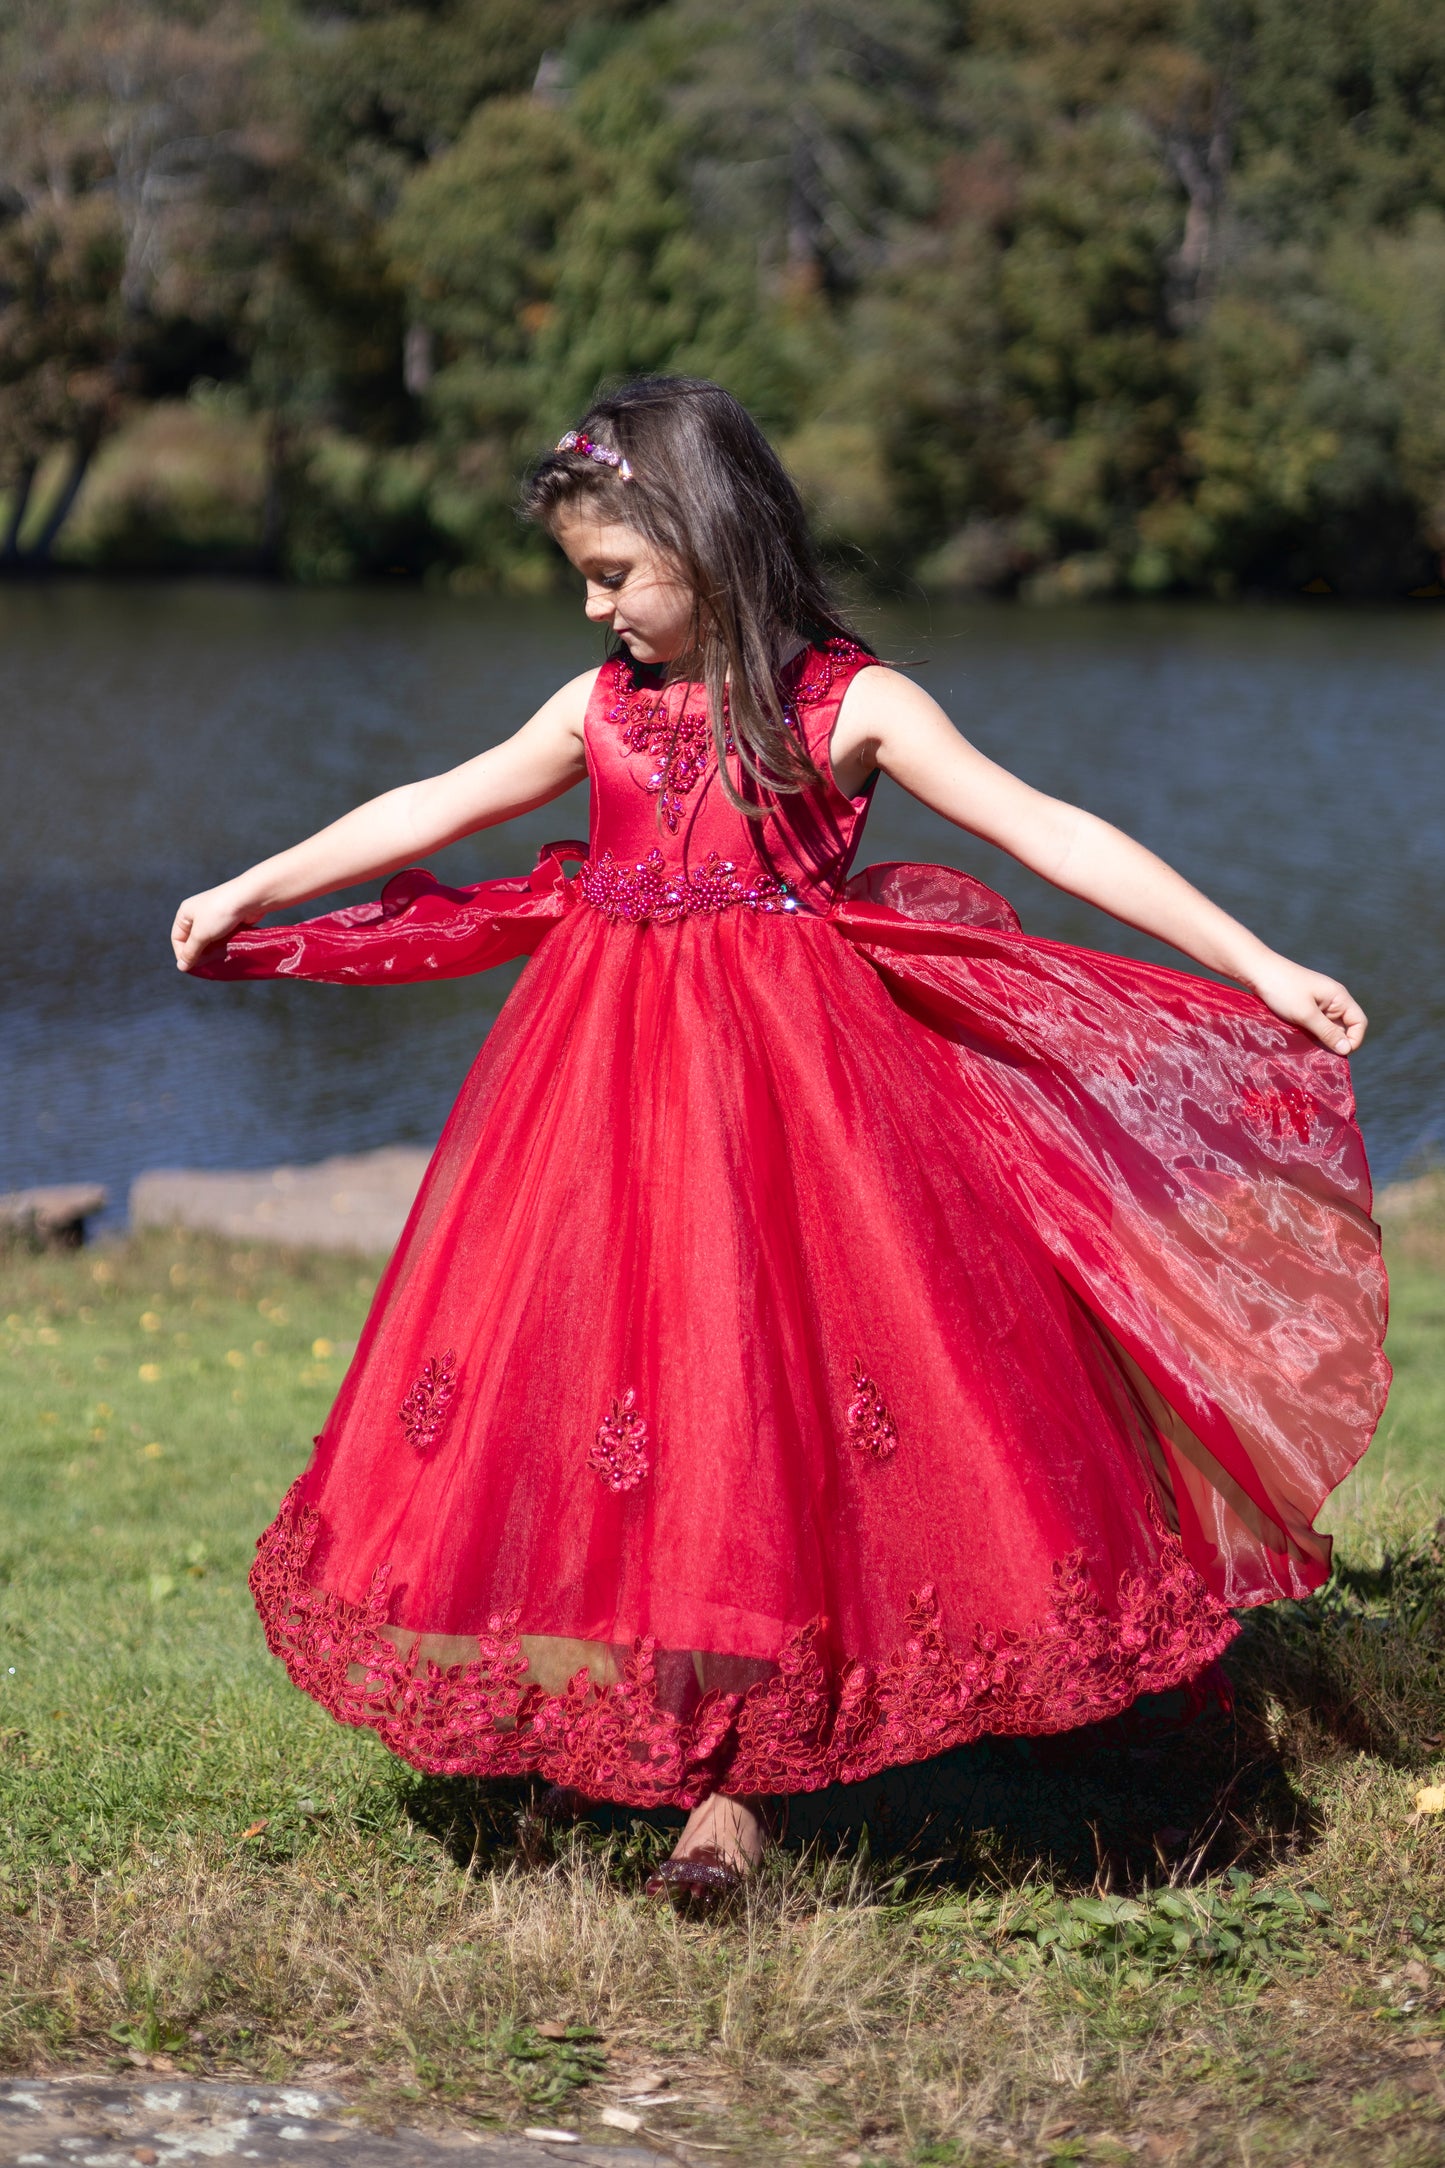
(544, 758)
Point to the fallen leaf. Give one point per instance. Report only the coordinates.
(551, 2137)
(255, 1829)
(1430, 1799)
(1060, 2128)
(1425, 2047)
(1416, 1974)
(620, 2119)
(551, 2028)
(146, 2155)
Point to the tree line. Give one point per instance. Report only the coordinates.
(1074, 296)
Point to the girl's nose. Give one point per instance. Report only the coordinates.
(599, 606)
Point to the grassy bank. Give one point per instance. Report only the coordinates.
(1233, 1951)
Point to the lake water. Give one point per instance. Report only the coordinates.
(156, 738)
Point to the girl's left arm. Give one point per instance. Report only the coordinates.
(888, 722)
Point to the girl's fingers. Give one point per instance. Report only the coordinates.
(181, 932)
(1342, 1021)
(1325, 1008)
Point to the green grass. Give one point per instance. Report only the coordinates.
(155, 1402)
(199, 1870)
(1410, 1447)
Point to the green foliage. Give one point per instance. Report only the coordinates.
(183, 486)
(476, 239)
(1233, 1925)
(1078, 296)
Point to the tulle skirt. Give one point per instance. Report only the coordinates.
(820, 1341)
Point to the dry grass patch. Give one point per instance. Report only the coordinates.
(1225, 1947)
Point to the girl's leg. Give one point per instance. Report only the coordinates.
(732, 1829)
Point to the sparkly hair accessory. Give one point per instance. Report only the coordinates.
(576, 441)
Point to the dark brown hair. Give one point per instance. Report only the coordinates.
(709, 491)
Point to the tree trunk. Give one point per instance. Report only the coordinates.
(805, 263)
(1201, 166)
(82, 451)
(273, 511)
(19, 506)
(418, 359)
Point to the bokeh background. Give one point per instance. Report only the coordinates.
(1079, 296)
(1106, 339)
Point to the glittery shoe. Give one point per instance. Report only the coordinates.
(701, 1882)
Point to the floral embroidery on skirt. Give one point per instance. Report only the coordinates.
(619, 1453)
(871, 1427)
(423, 1413)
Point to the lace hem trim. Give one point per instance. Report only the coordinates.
(811, 1723)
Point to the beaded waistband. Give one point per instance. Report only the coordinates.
(648, 889)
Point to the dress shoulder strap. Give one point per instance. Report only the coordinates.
(819, 678)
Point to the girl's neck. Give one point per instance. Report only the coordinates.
(687, 669)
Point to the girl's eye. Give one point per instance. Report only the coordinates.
(611, 579)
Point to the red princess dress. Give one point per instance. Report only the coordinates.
(833, 1326)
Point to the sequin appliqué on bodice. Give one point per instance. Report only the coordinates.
(666, 843)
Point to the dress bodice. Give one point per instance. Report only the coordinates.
(666, 841)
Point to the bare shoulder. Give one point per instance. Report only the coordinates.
(566, 709)
(879, 697)
(572, 698)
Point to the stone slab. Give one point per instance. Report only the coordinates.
(1403, 1200)
(53, 1216)
(98, 2122)
(352, 1203)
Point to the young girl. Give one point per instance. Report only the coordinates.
(833, 1325)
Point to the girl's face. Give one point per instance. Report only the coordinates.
(632, 587)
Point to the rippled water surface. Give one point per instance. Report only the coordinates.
(157, 738)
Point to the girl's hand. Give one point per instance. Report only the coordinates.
(1320, 1004)
(202, 920)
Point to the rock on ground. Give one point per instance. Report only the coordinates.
(93, 2122)
(358, 1203)
(51, 1218)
